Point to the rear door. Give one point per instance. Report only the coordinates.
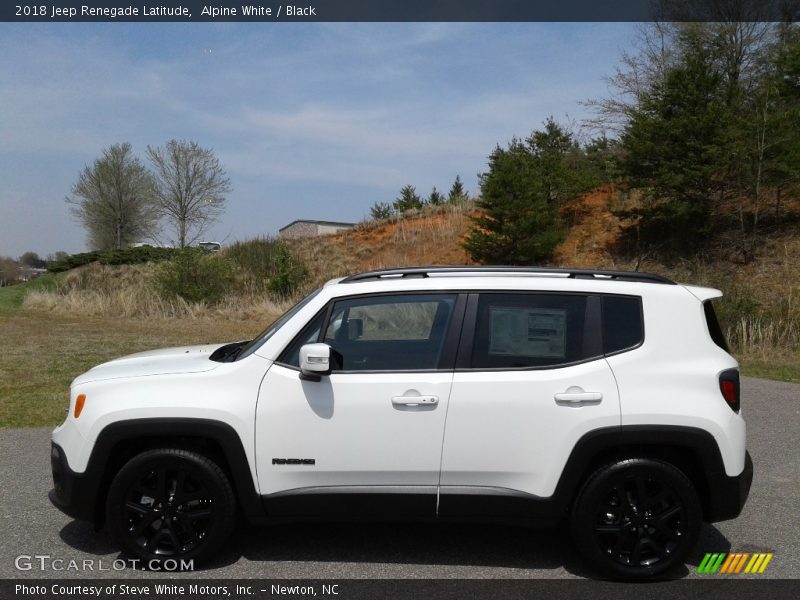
(531, 379)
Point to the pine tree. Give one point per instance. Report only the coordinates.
(436, 198)
(457, 192)
(408, 199)
(521, 196)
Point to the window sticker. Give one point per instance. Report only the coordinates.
(537, 332)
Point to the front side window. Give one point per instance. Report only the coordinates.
(528, 330)
(390, 333)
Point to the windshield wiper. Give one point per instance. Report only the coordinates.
(228, 352)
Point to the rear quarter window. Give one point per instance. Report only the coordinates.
(623, 326)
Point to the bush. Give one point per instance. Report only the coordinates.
(288, 273)
(381, 210)
(268, 265)
(195, 276)
(126, 256)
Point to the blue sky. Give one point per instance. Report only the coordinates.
(314, 121)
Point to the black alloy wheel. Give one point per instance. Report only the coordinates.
(170, 504)
(637, 518)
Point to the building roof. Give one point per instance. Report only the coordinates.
(313, 222)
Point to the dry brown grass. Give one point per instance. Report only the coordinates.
(427, 237)
(127, 292)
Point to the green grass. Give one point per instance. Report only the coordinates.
(780, 370)
(42, 352)
(12, 296)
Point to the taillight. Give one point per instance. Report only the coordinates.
(729, 386)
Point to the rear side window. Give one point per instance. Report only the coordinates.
(623, 328)
(713, 326)
(529, 330)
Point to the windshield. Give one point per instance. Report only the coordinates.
(262, 337)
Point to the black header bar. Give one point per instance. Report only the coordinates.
(399, 10)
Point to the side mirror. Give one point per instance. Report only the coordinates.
(317, 360)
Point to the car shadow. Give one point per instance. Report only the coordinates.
(440, 544)
(83, 536)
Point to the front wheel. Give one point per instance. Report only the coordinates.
(170, 504)
(636, 518)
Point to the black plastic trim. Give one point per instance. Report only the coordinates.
(80, 493)
(353, 502)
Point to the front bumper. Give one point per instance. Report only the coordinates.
(74, 494)
(729, 494)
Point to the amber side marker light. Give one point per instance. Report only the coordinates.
(79, 401)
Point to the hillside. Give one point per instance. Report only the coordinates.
(760, 311)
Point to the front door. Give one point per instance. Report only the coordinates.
(371, 432)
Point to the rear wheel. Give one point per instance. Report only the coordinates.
(170, 504)
(636, 518)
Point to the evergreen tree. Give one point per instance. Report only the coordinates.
(457, 192)
(408, 199)
(436, 198)
(521, 197)
(674, 150)
(381, 210)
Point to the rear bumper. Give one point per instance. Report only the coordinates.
(73, 494)
(729, 494)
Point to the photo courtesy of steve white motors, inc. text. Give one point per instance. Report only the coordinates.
(212, 11)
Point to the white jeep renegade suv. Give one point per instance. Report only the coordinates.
(488, 393)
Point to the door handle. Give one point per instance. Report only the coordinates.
(576, 395)
(414, 400)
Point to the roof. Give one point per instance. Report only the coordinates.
(314, 222)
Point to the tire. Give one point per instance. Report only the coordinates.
(637, 518)
(170, 504)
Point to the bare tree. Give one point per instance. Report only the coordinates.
(114, 199)
(190, 187)
(9, 271)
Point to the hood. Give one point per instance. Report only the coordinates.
(167, 361)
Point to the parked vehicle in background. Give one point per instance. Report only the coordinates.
(210, 246)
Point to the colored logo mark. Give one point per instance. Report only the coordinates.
(734, 563)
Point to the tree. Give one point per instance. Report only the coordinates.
(191, 185)
(673, 150)
(381, 210)
(457, 193)
(436, 198)
(521, 197)
(9, 271)
(31, 259)
(56, 256)
(113, 199)
(408, 199)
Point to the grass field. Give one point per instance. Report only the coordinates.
(40, 352)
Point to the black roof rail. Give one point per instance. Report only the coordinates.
(422, 272)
